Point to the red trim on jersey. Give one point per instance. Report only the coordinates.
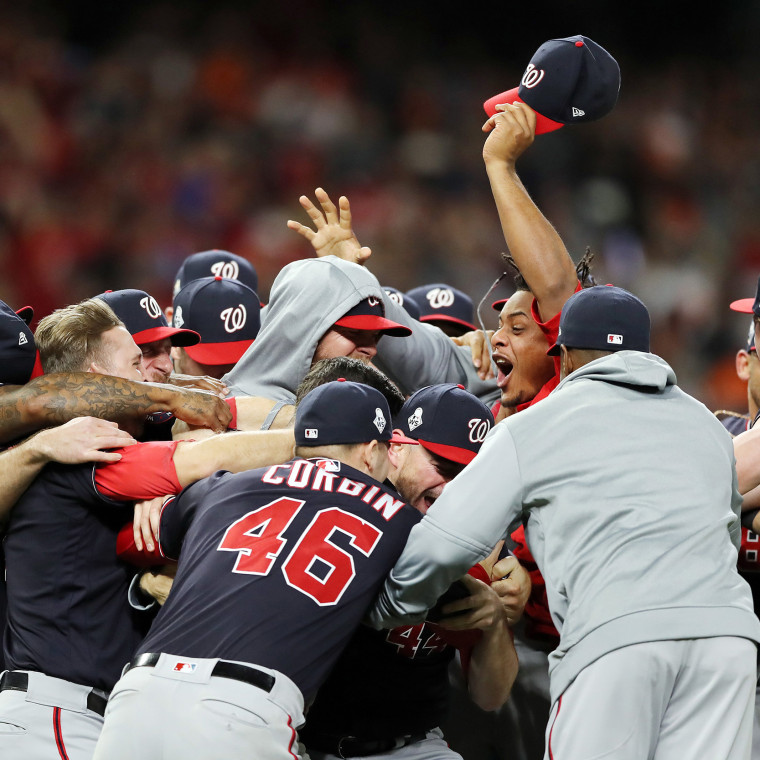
(551, 730)
(232, 404)
(292, 738)
(59, 734)
(146, 470)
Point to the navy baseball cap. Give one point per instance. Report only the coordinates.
(344, 412)
(369, 314)
(26, 313)
(226, 314)
(447, 420)
(440, 302)
(748, 305)
(17, 349)
(604, 318)
(213, 263)
(405, 303)
(143, 317)
(568, 81)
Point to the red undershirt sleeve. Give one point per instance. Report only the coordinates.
(146, 470)
(232, 404)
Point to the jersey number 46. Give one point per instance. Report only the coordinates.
(315, 566)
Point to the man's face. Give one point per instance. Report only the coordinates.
(157, 361)
(343, 341)
(519, 350)
(184, 364)
(120, 355)
(419, 476)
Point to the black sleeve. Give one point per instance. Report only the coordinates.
(178, 512)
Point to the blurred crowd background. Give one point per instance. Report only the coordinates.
(132, 136)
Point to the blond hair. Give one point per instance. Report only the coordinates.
(69, 339)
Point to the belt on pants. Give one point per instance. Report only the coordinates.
(352, 746)
(223, 669)
(13, 679)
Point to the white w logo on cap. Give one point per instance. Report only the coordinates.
(149, 304)
(234, 318)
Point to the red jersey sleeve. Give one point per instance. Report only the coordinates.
(146, 470)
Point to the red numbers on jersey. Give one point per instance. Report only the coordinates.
(316, 566)
(409, 640)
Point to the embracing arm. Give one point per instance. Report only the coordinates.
(54, 399)
(537, 249)
(493, 663)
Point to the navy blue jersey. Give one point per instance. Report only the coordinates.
(277, 565)
(385, 684)
(68, 614)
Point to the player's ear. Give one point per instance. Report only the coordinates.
(397, 451)
(742, 365)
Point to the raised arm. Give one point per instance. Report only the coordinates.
(54, 399)
(537, 249)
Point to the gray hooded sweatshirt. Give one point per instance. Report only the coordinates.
(306, 300)
(627, 487)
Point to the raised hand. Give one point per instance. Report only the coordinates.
(332, 234)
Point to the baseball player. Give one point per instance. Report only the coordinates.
(388, 692)
(147, 324)
(70, 626)
(445, 307)
(284, 560)
(657, 656)
(225, 313)
(215, 263)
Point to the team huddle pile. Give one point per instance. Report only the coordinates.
(333, 498)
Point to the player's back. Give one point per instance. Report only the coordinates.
(277, 565)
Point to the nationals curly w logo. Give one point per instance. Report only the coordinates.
(234, 318)
(478, 430)
(149, 304)
(228, 269)
(532, 76)
(440, 298)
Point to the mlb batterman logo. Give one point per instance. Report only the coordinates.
(379, 420)
(616, 340)
(185, 667)
(311, 433)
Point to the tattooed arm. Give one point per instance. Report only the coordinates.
(54, 399)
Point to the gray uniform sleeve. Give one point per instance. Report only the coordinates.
(478, 508)
(428, 356)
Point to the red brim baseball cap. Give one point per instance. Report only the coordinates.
(178, 336)
(369, 314)
(218, 353)
(400, 438)
(543, 124)
(26, 313)
(743, 305)
(452, 453)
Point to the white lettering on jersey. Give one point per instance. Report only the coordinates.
(387, 506)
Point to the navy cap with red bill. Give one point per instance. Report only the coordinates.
(568, 81)
(143, 317)
(369, 314)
